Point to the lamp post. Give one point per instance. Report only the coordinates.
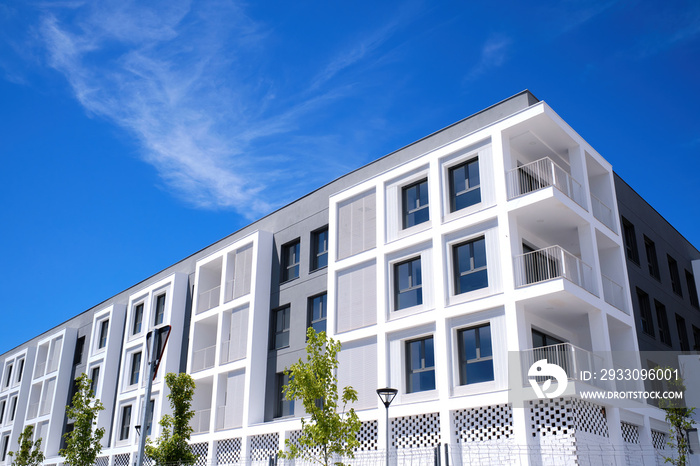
(387, 395)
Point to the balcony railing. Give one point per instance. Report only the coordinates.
(572, 359)
(542, 174)
(33, 410)
(203, 358)
(613, 294)
(228, 295)
(551, 263)
(39, 369)
(602, 212)
(208, 299)
(200, 421)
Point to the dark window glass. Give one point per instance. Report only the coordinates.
(20, 370)
(470, 266)
(652, 261)
(138, 319)
(692, 290)
(420, 361)
(8, 377)
(630, 241)
(408, 284)
(541, 339)
(280, 337)
(135, 368)
(94, 379)
(13, 408)
(465, 189)
(696, 337)
(317, 313)
(290, 261)
(415, 204)
(475, 355)
(104, 328)
(662, 323)
(160, 310)
(151, 408)
(5, 443)
(126, 423)
(2, 410)
(320, 251)
(645, 312)
(284, 406)
(682, 333)
(79, 346)
(675, 276)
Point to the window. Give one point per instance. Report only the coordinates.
(104, 330)
(692, 290)
(8, 376)
(13, 407)
(319, 258)
(662, 322)
(675, 276)
(420, 365)
(151, 408)
(682, 333)
(138, 319)
(542, 340)
(2, 409)
(317, 313)
(284, 407)
(469, 261)
(5, 444)
(408, 284)
(652, 261)
(94, 379)
(20, 370)
(126, 423)
(280, 321)
(415, 204)
(630, 241)
(696, 337)
(475, 355)
(645, 312)
(290, 261)
(79, 346)
(135, 368)
(160, 310)
(465, 188)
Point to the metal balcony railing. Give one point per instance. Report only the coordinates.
(542, 174)
(613, 294)
(203, 358)
(39, 369)
(33, 410)
(551, 263)
(208, 299)
(602, 212)
(200, 421)
(572, 359)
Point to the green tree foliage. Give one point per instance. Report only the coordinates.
(83, 442)
(327, 432)
(680, 419)
(29, 453)
(172, 446)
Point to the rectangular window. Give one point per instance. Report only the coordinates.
(284, 406)
(151, 408)
(475, 355)
(290, 261)
(675, 276)
(662, 323)
(2, 410)
(160, 310)
(104, 330)
(318, 313)
(415, 204)
(319, 258)
(420, 365)
(652, 261)
(20, 370)
(630, 241)
(126, 423)
(465, 187)
(692, 290)
(469, 261)
(79, 347)
(13, 407)
(135, 368)
(94, 379)
(645, 312)
(682, 333)
(5, 444)
(8, 376)
(696, 337)
(280, 321)
(138, 319)
(408, 284)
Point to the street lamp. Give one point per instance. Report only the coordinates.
(387, 395)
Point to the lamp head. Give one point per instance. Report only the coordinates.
(387, 395)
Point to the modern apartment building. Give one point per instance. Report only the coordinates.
(445, 269)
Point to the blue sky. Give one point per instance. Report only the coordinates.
(132, 136)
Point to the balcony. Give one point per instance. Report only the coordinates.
(203, 359)
(541, 174)
(571, 358)
(552, 263)
(200, 421)
(614, 294)
(602, 212)
(33, 410)
(208, 299)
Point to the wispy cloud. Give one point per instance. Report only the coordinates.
(493, 54)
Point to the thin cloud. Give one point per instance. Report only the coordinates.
(493, 54)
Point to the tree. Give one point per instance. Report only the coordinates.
(327, 432)
(172, 446)
(83, 442)
(29, 453)
(679, 417)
